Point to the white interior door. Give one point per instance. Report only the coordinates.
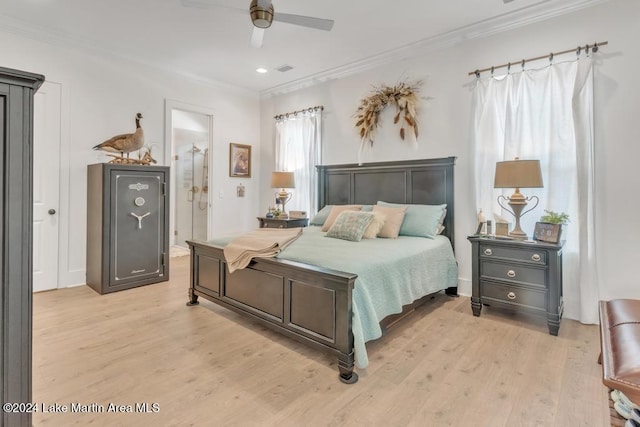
(46, 186)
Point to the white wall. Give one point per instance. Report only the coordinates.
(100, 96)
(444, 125)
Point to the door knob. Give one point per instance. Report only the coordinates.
(52, 211)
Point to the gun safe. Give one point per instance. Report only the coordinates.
(127, 226)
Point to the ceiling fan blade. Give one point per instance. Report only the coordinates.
(305, 21)
(256, 37)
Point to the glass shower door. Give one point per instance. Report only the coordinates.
(192, 188)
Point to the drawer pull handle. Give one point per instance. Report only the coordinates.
(488, 251)
(511, 273)
(535, 257)
(511, 295)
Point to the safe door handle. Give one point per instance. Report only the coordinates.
(139, 218)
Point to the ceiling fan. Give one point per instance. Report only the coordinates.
(262, 15)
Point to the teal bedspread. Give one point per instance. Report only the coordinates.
(391, 273)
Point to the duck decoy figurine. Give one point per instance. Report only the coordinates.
(126, 142)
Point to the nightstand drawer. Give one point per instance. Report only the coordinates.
(513, 295)
(533, 256)
(268, 224)
(513, 273)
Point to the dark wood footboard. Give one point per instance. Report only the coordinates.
(307, 303)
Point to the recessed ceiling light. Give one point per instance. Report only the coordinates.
(261, 70)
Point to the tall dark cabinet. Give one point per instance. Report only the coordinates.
(127, 226)
(16, 267)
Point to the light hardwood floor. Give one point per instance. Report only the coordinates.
(206, 366)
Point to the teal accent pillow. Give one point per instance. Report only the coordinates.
(321, 216)
(420, 220)
(350, 225)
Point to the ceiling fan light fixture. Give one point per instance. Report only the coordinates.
(260, 17)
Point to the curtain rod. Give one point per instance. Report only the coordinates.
(293, 113)
(594, 47)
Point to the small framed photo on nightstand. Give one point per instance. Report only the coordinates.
(479, 229)
(545, 232)
(297, 214)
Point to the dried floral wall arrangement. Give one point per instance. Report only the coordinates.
(403, 96)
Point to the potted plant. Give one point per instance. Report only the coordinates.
(549, 228)
(551, 217)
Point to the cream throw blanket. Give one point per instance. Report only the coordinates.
(263, 242)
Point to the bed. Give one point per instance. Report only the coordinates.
(315, 304)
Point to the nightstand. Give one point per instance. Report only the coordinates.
(517, 275)
(282, 222)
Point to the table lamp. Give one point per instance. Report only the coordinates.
(518, 174)
(283, 180)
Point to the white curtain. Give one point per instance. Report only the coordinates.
(545, 114)
(298, 148)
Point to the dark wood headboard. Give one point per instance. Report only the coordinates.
(428, 181)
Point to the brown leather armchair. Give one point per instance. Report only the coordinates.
(620, 345)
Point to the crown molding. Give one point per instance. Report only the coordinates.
(537, 12)
(66, 40)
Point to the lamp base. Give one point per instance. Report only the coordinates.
(284, 197)
(518, 234)
(517, 202)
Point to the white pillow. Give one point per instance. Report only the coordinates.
(375, 226)
(392, 221)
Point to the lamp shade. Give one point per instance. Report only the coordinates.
(283, 180)
(518, 174)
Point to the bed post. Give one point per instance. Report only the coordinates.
(193, 298)
(345, 366)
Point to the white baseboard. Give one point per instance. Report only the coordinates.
(464, 287)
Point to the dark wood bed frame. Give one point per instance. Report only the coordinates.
(313, 304)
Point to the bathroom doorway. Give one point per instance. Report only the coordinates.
(190, 176)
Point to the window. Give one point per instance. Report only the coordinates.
(298, 150)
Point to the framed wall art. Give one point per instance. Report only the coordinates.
(546, 232)
(239, 160)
